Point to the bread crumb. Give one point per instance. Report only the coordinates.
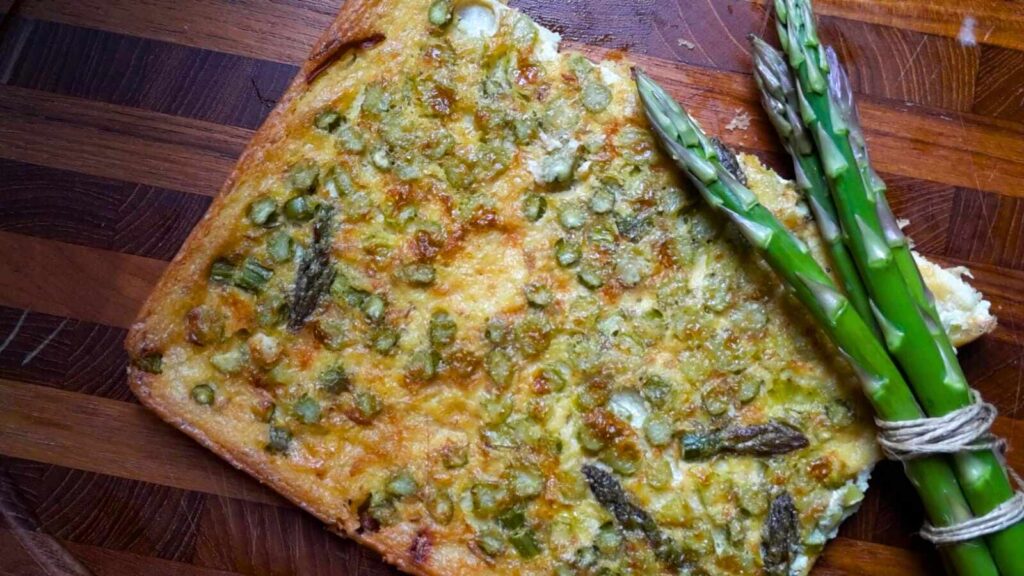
(741, 121)
(966, 35)
(686, 43)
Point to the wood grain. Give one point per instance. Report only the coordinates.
(117, 142)
(120, 118)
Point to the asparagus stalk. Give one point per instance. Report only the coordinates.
(778, 96)
(790, 258)
(902, 306)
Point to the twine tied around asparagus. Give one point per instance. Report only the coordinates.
(966, 429)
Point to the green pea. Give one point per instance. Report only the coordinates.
(539, 295)
(349, 139)
(440, 12)
(567, 252)
(602, 201)
(419, 274)
(280, 246)
(381, 508)
(658, 431)
(203, 394)
(367, 404)
(524, 542)
(374, 307)
(298, 208)
(557, 375)
(715, 401)
(590, 277)
(488, 498)
(384, 340)
(441, 507)
(334, 380)
(656, 390)
(496, 331)
(263, 212)
(534, 207)
(402, 484)
(499, 366)
(230, 362)
(572, 216)
(527, 484)
(558, 166)
(423, 365)
(302, 177)
(307, 409)
(222, 271)
(279, 439)
(750, 386)
(490, 542)
(442, 328)
(596, 96)
(455, 456)
(327, 120)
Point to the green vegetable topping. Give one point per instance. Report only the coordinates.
(384, 340)
(205, 325)
(608, 539)
(349, 138)
(557, 375)
(230, 362)
(455, 456)
(442, 328)
(567, 252)
(327, 120)
(488, 498)
(152, 363)
(279, 246)
(596, 96)
(302, 177)
(307, 409)
(440, 12)
(402, 484)
(423, 365)
(558, 166)
(524, 542)
(602, 201)
(534, 207)
(367, 404)
(419, 274)
(656, 390)
(490, 541)
(441, 507)
(338, 183)
(527, 484)
(374, 307)
(279, 438)
(499, 366)
(263, 212)
(222, 271)
(539, 295)
(334, 380)
(590, 277)
(203, 394)
(524, 32)
(253, 276)
(299, 209)
(496, 331)
(380, 157)
(572, 216)
(658, 431)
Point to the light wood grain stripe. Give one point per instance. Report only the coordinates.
(117, 142)
(997, 22)
(114, 438)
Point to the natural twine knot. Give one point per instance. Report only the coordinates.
(966, 429)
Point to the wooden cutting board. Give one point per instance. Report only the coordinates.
(119, 119)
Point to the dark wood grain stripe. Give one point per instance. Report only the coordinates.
(1000, 85)
(98, 212)
(141, 73)
(117, 142)
(113, 438)
(72, 355)
(74, 281)
(98, 561)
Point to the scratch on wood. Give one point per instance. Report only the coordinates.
(32, 354)
(14, 332)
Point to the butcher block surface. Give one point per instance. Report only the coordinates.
(120, 119)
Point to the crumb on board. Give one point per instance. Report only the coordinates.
(686, 43)
(740, 121)
(966, 36)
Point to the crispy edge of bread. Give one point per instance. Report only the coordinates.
(354, 27)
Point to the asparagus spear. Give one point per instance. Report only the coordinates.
(789, 257)
(902, 305)
(778, 96)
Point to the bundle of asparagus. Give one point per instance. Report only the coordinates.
(883, 318)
